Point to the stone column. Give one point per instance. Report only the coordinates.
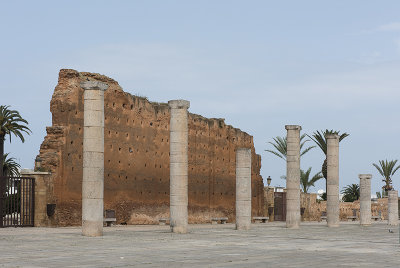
(179, 165)
(365, 199)
(393, 208)
(93, 158)
(332, 158)
(243, 188)
(293, 176)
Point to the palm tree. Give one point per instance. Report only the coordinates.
(11, 122)
(351, 193)
(305, 181)
(281, 146)
(10, 167)
(320, 140)
(387, 170)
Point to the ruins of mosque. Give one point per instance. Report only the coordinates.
(137, 158)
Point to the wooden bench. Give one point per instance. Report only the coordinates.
(221, 220)
(260, 219)
(353, 218)
(323, 216)
(109, 217)
(376, 218)
(162, 221)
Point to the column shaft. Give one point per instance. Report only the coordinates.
(293, 176)
(93, 158)
(332, 157)
(393, 208)
(365, 199)
(179, 165)
(243, 188)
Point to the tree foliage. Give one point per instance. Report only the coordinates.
(387, 169)
(351, 193)
(320, 139)
(10, 166)
(11, 122)
(280, 146)
(305, 180)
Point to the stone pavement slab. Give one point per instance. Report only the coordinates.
(265, 245)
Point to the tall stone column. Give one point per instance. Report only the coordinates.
(365, 199)
(332, 158)
(243, 188)
(393, 207)
(179, 165)
(93, 158)
(293, 176)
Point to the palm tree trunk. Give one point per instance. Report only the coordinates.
(1, 154)
(2, 180)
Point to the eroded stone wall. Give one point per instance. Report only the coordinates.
(136, 156)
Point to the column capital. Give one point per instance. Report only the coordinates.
(179, 104)
(365, 176)
(293, 127)
(94, 85)
(331, 136)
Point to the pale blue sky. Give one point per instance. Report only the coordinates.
(258, 64)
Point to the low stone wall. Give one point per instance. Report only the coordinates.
(313, 208)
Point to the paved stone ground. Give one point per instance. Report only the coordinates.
(265, 245)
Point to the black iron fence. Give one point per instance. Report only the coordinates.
(17, 196)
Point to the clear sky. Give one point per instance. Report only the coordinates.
(258, 64)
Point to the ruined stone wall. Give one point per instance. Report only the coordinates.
(137, 157)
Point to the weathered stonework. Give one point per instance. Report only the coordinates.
(136, 157)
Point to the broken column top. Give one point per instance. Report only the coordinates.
(293, 127)
(94, 85)
(179, 104)
(365, 176)
(332, 136)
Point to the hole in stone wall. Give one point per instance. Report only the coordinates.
(130, 150)
(124, 105)
(151, 123)
(113, 104)
(80, 156)
(72, 142)
(72, 168)
(108, 175)
(109, 161)
(167, 140)
(127, 135)
(145, 165)
(119, 149)
(119, 162)
(131, 106)
(69, 154)
(111, 146)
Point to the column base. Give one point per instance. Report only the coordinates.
(92, 228)
(179, 229)
(333, 225)
(242, 227)
(292, 226)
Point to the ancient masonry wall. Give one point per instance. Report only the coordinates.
(136, 176)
